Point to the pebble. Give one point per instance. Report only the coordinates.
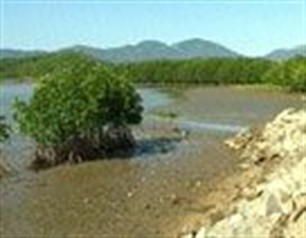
(130, 194)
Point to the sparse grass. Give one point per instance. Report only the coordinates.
(167, 114)
(258, 86)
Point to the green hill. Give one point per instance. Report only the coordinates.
(152, 50)
(283, 54)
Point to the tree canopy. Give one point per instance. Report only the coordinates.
(4, 130)
(288, 73)
(75, 104)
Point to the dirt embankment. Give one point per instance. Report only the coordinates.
(274, 206)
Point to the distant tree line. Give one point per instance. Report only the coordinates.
(290, 74)
(38, 66)
(213, 71)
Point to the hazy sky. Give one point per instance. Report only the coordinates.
(249, 27)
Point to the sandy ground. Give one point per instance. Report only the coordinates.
(159, 193)
(133, 198)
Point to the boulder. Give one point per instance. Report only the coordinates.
(277, 206)
(284, 137)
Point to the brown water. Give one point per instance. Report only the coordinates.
(234, 105)
(151, 193)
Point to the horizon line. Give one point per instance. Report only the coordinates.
(137, 43)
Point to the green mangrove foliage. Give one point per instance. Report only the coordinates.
(4, 135)
(290, 74)
(215, 71)
(37, 66)
(79, 112)
(220, 71)
(199, 71)
(4, 130)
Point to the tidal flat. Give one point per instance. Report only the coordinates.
(172, 179)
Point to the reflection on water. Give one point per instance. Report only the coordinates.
(195, 125)
(154, 146)
(17, 147)
(10, 91)
(153, 98)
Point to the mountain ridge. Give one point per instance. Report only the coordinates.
(155, 50)
(286, 53)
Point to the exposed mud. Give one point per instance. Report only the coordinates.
(151, 194)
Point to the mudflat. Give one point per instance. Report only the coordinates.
(184, 180)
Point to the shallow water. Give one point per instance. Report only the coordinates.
(16, 147)
(224, 110)
(235, 106)
(137, 197)
(197, 125)
(10, 91)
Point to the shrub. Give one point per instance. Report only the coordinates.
(4, 130)
(71, 110)
(4, 135)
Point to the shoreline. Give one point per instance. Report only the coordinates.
(178, 86)
(273, 206)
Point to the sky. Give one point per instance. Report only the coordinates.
(251, 27)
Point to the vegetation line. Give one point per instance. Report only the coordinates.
(289, 74)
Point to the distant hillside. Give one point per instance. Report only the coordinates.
(17, 54)
(151, 50)
(282, 54)
(146, 50)
(203, 49)
(36, 66)
(155, 50)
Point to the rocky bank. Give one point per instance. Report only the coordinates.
(275, 207)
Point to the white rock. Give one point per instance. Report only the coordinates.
(188, 236)
(201, 233)
(283, 192)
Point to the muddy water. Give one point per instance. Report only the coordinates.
(151, 193)
(234, 105)
(18, 148)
